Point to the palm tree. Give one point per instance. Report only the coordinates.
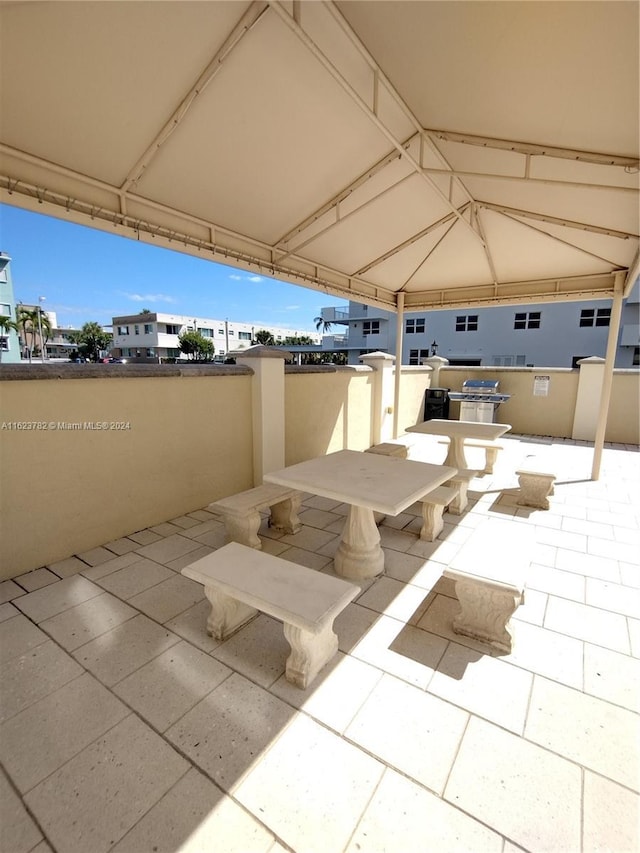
(30, 321)
(265, 337)
(323, 324)
(6, 325)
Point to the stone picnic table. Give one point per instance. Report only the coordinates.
(458, 431)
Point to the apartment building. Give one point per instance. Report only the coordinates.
(155, 336)
(9, 343)
(541, 335)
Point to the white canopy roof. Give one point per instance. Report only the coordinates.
(460, 153)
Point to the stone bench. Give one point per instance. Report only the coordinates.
(491, 450)
(240, 582)
(241, 512)
(389, 449)
(490, 572)
(433, 505)
(535, 487)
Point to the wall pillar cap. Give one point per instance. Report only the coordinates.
(591, 359)
(435, 361)
(377, 356)
(262, 351)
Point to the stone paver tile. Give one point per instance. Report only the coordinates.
(227, 732)
(630, 574)
(258, 650)
(36, 579)
(101, 793)
(404, 816)
(611, 816)
(544, 652)
(184, 522)
(634, 636)
(28, 678)
(144, 537)
(178, 564)
(585, 729)
(8, 611)
(18, 832)
(18, 636)
(352, 625)
(168, 598)
(308, 538)
(9, 590)
(533, 609)
(95, 556)
(297, 793)
(336, 693)
(587, 623)
(306, 558)
(50, 600)
(483, 685)
(589, 528)
(275, 547)
(68, 567)
(604, 567)
(40, 739)
(400, 521)
(624, 551)
(401, 650)
(96, 572)
(167, 687)
(439, 551)
(425, 735)
(213, 525)
(397, 540)
(213, 540)
(166, 528)
(318, 517)
(556, 582)
(399, 600)
(78, 625)
(201, 515)
(170, 548)
(614, 597)
(135, 578)
(562, 539)
(519, 789)
(119, 652)
(317, 502)
(193, 817)
(121, 546)
(612, 676)
(403, 567)
(192, 625)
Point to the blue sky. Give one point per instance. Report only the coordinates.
(86, 275)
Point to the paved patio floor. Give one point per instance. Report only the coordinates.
(125, 728)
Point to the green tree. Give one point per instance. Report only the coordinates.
(91, 340)
(195, 346)
(6, 325)
(30, 321)
(264, 337)
(323, 324)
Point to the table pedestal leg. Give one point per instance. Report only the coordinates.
(455, 456)
(359, 554)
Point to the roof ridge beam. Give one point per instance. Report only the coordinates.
(554, 220)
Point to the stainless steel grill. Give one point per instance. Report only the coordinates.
(479, 400)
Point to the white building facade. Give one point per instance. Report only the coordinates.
(154, 336)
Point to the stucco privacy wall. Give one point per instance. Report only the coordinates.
(624, 409)
(65, 491)
(414, 382)
(327, 411)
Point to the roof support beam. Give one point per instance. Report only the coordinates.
(460, 173)
(554, 220)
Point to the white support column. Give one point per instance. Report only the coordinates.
(398, 374)
(590, 380)
(382, 363)
(267, 399)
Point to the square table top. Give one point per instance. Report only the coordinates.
(466, 429)
(382, 483)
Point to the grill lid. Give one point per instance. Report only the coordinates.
(480, 386)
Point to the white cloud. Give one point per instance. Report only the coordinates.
(255, 278)
(252, 278)
(149, 297)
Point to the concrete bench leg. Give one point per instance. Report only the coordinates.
(485, 614)
(284, 515)
(459, 503)
(244, 529)
(432, 523)
(227, 614)
(491, 454)
(535, 489)
(309, 653)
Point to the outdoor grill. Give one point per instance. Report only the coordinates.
(479, 400)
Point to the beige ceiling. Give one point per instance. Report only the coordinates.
(457, 152)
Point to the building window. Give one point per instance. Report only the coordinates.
(636, 356)
(206, 333)
(5, 309)
(136, 330)
(415, 327)
(416, 355)
(244, 336)
(221, 331)
(527, 320)
(467, 323)
(123, 330)
(371, 327)
(172, 330)
(148, 328)
(4, 344)
(595, 317)
(231, 333)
